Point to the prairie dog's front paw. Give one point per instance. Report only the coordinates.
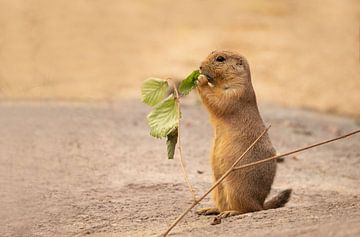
(202, 80)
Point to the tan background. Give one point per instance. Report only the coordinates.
(302, 53)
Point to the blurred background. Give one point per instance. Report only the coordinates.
(302, 53)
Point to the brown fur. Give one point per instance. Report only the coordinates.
(231, 102)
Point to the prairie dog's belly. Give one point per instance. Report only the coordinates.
(226, 151)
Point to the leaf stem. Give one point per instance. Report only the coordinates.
(182, 163)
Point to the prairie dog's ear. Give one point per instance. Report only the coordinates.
(239, 62)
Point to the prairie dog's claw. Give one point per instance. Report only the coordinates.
(202, 80)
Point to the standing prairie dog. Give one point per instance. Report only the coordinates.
(226, 90)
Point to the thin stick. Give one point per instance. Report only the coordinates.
(183, 166)
(179, 146)
(296, 151)
(214, 185)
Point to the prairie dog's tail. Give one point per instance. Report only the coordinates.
(278, 201)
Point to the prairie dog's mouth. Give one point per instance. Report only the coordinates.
(209, 77)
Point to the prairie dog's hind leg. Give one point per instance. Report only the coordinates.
(208, 211)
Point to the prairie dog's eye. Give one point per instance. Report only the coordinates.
(220, 59)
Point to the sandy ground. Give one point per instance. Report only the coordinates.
(93, 170)
(74, 169)
(302, 53)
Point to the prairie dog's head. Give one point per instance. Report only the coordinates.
(223, 67)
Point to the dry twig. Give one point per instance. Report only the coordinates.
(216, 184)
(296, 151)
(233, 168)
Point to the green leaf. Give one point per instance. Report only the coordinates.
(154, 90)
(171, 143)
(189, 83)
(164, 118)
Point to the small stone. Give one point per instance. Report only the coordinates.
(216, 221)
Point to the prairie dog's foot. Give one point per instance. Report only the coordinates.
(208, 211)
(202, 80)
(223, 215)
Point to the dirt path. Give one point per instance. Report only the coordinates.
(68, 169)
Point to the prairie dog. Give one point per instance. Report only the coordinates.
(226, 91)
